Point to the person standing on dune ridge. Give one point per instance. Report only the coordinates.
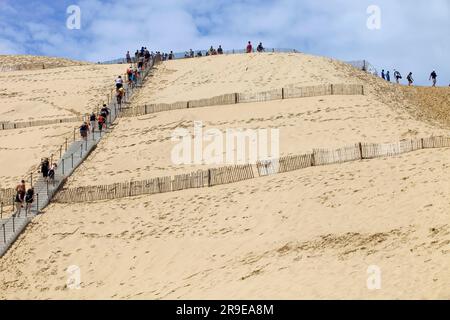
(433, 77)
(397, 76)
(410, 79)
(249, 47)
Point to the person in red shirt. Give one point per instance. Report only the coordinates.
(249, 47)
(101, 122)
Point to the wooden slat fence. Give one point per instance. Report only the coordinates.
(37, 123)
(376, 150)
(330, 156)
(304, 92)
(222, 100)
(284, 164)
(234, 98)
(6, 195)
(230, 174)
(436, 142)
(276, 94)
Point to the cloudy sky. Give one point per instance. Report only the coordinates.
(413, 35)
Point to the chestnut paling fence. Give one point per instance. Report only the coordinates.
(290, 92)
(230, 174)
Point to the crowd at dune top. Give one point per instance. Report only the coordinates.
(386, 75)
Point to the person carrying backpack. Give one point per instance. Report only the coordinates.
(433, 76)
(410, 79)
(388, 76)
(383, 75)
(260, 47)
(45, 164)
(29, 199)
(397, 76)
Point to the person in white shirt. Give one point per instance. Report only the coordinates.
(119, 83)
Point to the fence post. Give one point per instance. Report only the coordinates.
(4, 234)
(63, 166)
(66, 144)
(31, 179)
(360, 151)
(72, 160)
(362, 89)
(188, 104)
(145, 109)
(81, 151)
(332, 89)
(1, 210)
(14, 224)
(209, 177)
(236, 98)
(282, 93)
(313, 160)
(37, 203)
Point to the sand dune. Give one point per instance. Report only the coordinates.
(29, 62)
(190, 79)
(22, 149)
(304, 124)
(42, 95)
(55, 93)
(307, 234)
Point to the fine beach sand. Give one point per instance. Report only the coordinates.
(304, 124)
(29, 62)
(67, 90)
(55, 93)
(22, 149)
(312, 233)
(307, 234)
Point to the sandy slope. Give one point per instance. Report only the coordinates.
(22, 149)
(28, 62)
(46, 94)
(190, 79)
(55, 93)
(307, 234)
(140, 148)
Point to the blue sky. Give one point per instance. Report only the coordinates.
(414, 35)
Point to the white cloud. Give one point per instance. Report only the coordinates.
(413, 35)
